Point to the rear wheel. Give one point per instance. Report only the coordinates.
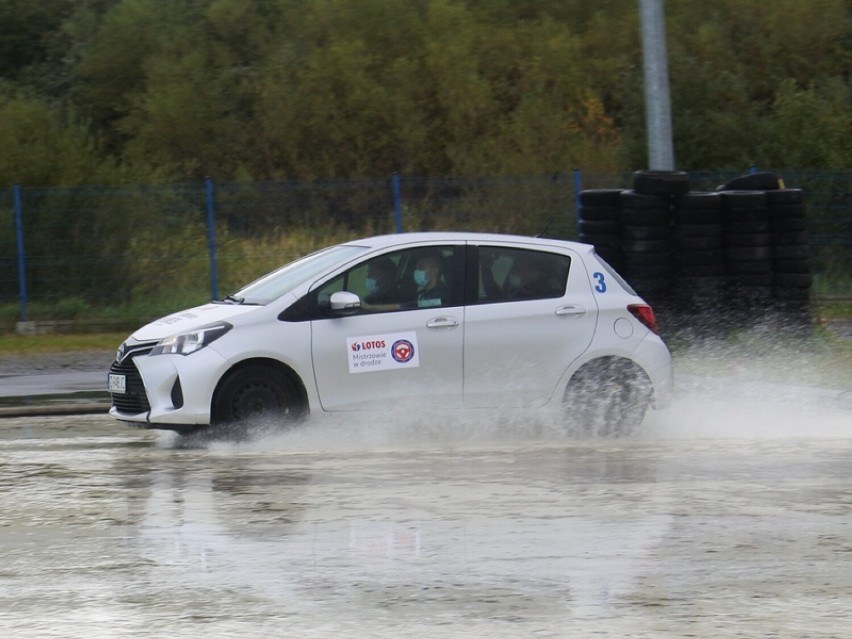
(257, 392)
(607, 397)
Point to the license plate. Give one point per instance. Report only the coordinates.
(117, 383)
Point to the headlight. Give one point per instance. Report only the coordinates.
(188, 343)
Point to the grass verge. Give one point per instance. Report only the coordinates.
(12, 344)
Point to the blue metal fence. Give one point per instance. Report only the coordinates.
(116, 245)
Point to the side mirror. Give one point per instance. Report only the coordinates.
(343, 302)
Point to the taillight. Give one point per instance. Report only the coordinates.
(645, 314)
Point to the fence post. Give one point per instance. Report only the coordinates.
(211, 238)
(19, 237)
(397, 201)
(578, 186)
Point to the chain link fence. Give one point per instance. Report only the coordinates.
(69, 252)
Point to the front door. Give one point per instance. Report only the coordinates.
(398, 353)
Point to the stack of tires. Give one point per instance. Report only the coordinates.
(646, 233)
(748, 253)
(646, 244)
(707, 261)
(790, 257)
(599, 223)
(698, 258)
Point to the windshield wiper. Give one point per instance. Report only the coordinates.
(233, 299)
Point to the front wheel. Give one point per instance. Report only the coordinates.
(256, 392)
(607, 397)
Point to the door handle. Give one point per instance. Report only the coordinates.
(572, 310)
(442, 322)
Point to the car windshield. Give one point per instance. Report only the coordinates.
(282, 280)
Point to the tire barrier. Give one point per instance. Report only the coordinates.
(708, 261)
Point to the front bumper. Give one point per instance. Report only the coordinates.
(178, 389)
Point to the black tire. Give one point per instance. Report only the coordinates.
(647, 271)
(607, 198)
(788, 224)
(600, 240)
(257, 391)
(698, 230)
(794, 280)
(754, 267)
(745, 227)
(785, 211)
(791, 252)
(634, 232)
(793, 238)
(754, 182)
(599, 227)
(698, 201)
(699, 256)
(745, 206)
(607, 397)
(713, 269)
(698, 208)
(792, 266)
(661, 182)
(645, 217)
(697, 216)
(599, 213)
(785, 197)
(646, 246)
(646, 259)
(748, 253)
(708, 243)
(748, 239)
(642, 201)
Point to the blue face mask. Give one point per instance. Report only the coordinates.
(420, 277)
(371, 284)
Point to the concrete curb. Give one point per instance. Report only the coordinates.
(41, 410)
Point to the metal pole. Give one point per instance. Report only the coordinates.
(657, 101)
(19, 235)
(211, 238)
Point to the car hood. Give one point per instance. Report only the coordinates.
(190, 319)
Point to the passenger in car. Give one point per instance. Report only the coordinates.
(526, 280)
(429, 277)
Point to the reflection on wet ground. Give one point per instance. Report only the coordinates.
(431, 529)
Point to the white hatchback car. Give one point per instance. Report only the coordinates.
(405, 322)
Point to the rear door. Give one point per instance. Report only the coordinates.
(520, 337)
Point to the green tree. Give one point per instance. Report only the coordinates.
(40, 145)
(809, 127)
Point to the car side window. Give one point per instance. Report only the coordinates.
(509, 274)
(402, 280)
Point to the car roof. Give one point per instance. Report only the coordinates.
(380, 241)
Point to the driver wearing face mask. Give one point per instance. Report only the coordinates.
(432, 290)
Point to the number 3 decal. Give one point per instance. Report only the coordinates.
(600, 287)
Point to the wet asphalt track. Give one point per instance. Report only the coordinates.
(728, 517)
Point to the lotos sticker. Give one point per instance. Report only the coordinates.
(382, 352)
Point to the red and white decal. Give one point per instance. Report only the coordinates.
(382, 352)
